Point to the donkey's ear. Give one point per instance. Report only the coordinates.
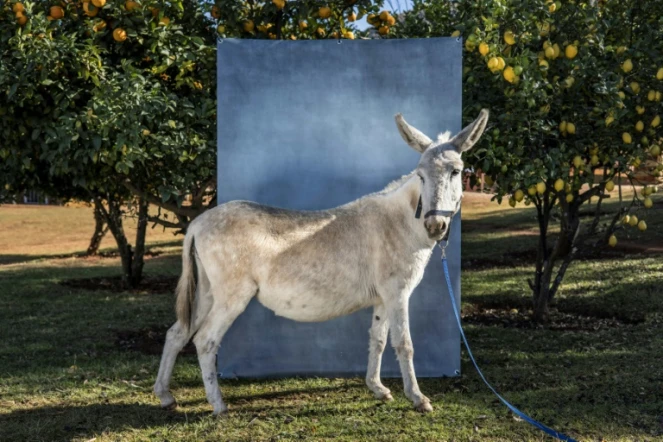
(468, 137)
(412, 136)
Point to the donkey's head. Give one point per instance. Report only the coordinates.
(440, 170)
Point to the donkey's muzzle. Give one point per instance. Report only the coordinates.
(436, 226)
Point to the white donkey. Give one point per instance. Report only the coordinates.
(315, 266)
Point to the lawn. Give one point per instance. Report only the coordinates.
(76, 364)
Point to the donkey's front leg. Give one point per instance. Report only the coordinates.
(399, 327)
(378, 340)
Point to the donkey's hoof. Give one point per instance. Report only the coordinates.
(170, 406)
(221, 413)
(424, 407)
(387, 397)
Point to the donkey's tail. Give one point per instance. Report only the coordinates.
(186, 287)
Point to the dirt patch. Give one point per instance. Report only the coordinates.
(153, 285)
(148, 340)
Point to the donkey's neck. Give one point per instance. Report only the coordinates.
(400, 199)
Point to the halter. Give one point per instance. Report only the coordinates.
(448, 213)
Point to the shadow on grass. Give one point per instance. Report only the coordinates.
(67, 422)
(105, 253)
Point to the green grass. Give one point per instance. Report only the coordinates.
(62, 376)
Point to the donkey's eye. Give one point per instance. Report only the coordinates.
(422, 179)
(455, 172)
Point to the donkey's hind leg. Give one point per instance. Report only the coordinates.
(229, 303)
(378, 340)
(176, 339)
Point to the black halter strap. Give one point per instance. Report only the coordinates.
(449, 213)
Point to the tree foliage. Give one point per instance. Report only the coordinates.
(575, 93)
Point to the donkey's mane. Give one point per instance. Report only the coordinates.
(394, 184)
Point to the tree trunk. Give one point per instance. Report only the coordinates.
(132, 260)
(100, 229)
(545, 287)
(139, 249)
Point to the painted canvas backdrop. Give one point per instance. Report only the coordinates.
(310, 125)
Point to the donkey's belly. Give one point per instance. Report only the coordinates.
(306, 305)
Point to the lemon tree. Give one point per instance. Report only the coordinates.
(112, 102)
(575, 93)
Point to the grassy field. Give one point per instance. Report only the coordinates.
(71, 369)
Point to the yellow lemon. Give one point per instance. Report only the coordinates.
(570, 128)
(609, 119)
(99, 3)
(90, 10)
(627, 66)
(640, 110)
(280, 4)
(557, 50)
(303, 25)
(651, 95)
(549, 52)
(621, 94)
(531, 190)
(559, 184)
(626, 220)
(569, 197)
(470, 45)
(655, 150)
(626, 138)
(552, 7)
(509, 74)
(349, 35)
(119, 35)
(543, 65)
(540, 187)
(609, 185)
(384, 30)
(656, 121)
(648, 203)
(612, 241)
(594, 160)
(489, 181)
(633, 221)
(571, 51)
(248, 26)
(639, 126)
(501, 64)
(578, 161)
(493, 63)
(509, 38)
(132, 6)
(635, 87)
(324, 12)
(642, 226)
(657, 96)
(455, 34)
(57, 12)
(519, 195)
(352, 16)
(483, 48)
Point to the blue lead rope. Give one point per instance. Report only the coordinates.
(515, 411)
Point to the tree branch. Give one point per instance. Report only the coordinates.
(179, 210)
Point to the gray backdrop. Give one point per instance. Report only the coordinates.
(310, 125)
